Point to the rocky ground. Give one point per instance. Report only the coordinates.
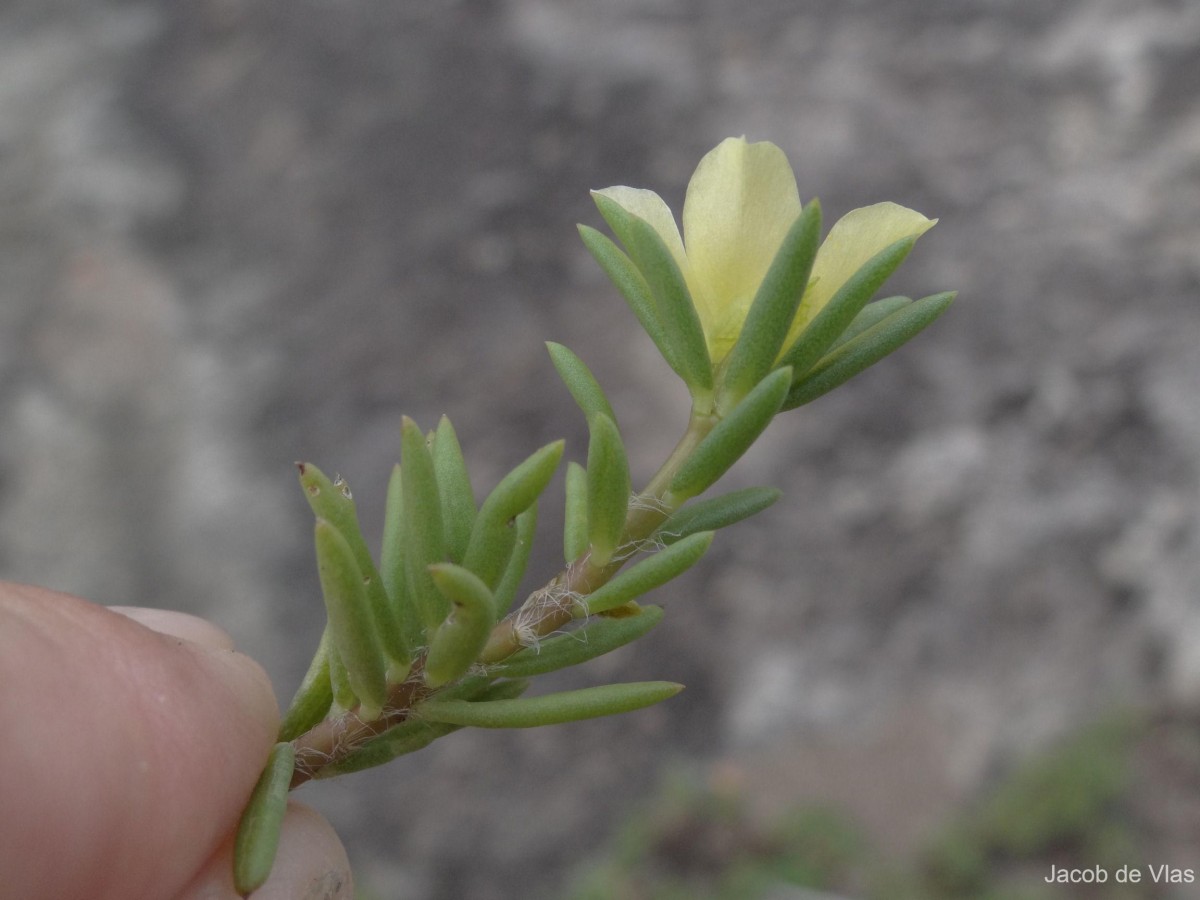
(238, 234)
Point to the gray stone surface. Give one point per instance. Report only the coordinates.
(238, 234)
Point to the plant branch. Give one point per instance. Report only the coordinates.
(545, 611)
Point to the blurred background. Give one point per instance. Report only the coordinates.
(238, 234)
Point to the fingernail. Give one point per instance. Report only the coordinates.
(177, 624)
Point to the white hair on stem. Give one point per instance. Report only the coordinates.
(539, 607)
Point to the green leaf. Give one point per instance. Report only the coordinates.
(867, 348)
(407, 737)
(339, 681)
(415, 734)
(454, 488)
(732, 436)
(673, 302)
(871, 314)
(313, 697)
(846, 303)
(391, 552)
(549, 709)
(608, 488)
(424, 537)
(501, 690)
(506, 590)
(333, 502)
(619, 219)
(575, 526)
(716, 512)
(257, 838)
(493, 537)
(622, 272)
(391, 562)
(580, 381)
(595, 638)
(673, 310)
(774, 307)
(493, 540)
(647, 574)
(457, 642)
(351, 619)
(469, 688)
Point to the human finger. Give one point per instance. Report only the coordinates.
(128, 754)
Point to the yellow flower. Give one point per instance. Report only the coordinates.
(740, 203)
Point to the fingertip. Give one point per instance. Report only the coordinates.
(311, 864)
(249, 686)
(311, 861)
(248, 683)
(146, 723)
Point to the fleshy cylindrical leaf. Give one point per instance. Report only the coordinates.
(872, 314)
(575, 526)
(492, 543)
(424, 538)
(510, 581)
(391, 551)
(622, 272)
(608, 488)
(647, 574)
(454, 487)
(344, 698)
(673, 302)
(391, 563)
(417, 734)
(331, 500)
(580, 381)
(732, 436)
(816, 339)
(867, 349)
(493, 537)
(597, 637)
(407, 737)
(716, 512)
(549, 709)
(774, 306)
(457, 642)
(351, 619)
(674, 310)
(257, 838)
(313, 697)
(501, 690)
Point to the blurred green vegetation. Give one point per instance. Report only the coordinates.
(1069, 806)
(697, 842)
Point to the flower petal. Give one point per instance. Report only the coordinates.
(740, 203)
(853, 240)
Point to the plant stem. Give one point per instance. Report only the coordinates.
(553, 606)
(545, 610)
